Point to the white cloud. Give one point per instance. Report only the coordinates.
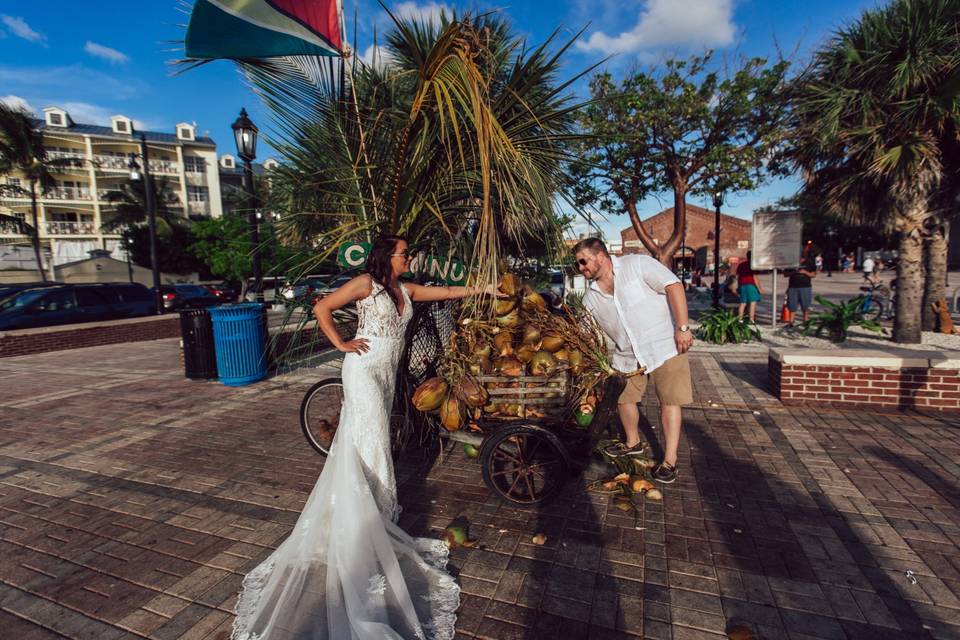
(74, 78)
(18, 103)
(429, 12)
(101, 51)
(694, 24)
(375, 56)
(20, 28)
(86, 113)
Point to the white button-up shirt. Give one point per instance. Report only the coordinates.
(637, 316)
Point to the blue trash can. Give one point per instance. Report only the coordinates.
(240, 340)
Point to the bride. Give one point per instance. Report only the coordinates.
(347, 571)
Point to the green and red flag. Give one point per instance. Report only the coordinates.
(263, 29)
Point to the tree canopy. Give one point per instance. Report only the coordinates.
(684, 129)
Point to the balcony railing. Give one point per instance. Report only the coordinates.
(198, 207)
(71, 228)
(118, 163)
(68, 193)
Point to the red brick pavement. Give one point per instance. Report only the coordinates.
(133, 501)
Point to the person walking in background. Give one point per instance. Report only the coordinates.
(868, 270)
(749, 288)
(800, 288)
(819, 263)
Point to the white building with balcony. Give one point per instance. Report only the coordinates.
(71, 214)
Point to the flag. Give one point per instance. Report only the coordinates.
(263, 28)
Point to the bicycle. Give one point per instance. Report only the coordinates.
(320, 415)
(877, 301)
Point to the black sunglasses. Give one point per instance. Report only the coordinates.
(582, 261)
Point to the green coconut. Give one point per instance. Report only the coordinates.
(543, 363)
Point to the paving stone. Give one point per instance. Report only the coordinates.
(117, 521)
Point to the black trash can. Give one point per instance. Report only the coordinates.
(199, 354)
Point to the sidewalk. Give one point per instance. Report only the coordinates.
(133, 501)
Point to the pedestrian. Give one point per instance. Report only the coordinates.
(749, 288)
(868, 270)
(640, 304)
(818, 261)
(800, 288)
(845, 265)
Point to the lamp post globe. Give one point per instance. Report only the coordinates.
(245, 135)
(134, 167)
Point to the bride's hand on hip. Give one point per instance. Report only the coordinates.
(357, 345)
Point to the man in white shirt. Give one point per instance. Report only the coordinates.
(641, 306)
(868, 270)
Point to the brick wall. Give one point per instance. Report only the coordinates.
(700, 227)
(871, 379)
(26, 341)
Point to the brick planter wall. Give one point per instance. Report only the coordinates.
(866, 378)
(74, 336)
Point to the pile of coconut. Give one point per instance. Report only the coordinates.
(516, 342)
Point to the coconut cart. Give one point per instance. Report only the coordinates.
(527, 452)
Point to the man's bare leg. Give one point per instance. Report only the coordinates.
(630, 419)
(671, 419)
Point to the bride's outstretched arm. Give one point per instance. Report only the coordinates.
(355, 289)
(420, 293)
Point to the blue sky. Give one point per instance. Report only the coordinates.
(112, 57)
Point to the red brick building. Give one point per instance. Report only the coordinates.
(734, 237)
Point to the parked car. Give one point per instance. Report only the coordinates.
(74, 303)
(10, 289)
(302, 289)
(187, 296)
(224, 291)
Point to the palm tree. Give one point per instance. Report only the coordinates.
(457, 140)
(22, 149)
(876, 126)
(130, 205)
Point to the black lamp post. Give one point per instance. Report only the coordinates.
(717, 203)
(245, 134)
(148, 196)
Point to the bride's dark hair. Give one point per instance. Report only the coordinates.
(378, 264)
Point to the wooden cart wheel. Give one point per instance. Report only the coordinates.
(524, 464)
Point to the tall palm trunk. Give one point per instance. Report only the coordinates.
(935, 273)
(906, 324)
(36, 228)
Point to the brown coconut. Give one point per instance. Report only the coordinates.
(450, 413)
(430, 395)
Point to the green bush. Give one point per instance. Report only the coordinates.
(721, 326)
(837, 318)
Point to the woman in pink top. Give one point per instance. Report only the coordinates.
(749, 288)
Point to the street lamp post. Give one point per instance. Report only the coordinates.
(717, 202)
(150, 203)
(245, 134)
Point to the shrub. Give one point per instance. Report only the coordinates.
(721, 326)
(837, 318)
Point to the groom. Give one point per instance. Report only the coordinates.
(641, 306)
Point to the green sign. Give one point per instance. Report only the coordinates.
(353, 255)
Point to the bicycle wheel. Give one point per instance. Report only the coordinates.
(872, 309)
(320, 413)
(320, 417)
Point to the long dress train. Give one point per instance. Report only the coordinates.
(347, 571)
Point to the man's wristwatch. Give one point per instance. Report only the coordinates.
(683, 327)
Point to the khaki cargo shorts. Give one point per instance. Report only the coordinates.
(671, 381)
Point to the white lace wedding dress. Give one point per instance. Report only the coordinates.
(347, 571)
